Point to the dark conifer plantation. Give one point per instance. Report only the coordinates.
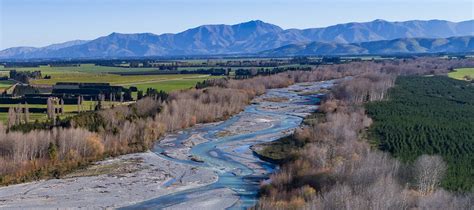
(429, 115)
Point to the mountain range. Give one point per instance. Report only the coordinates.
(257, 36)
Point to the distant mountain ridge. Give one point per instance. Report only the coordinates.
(33, 52)
(396, 46)
(244, 38)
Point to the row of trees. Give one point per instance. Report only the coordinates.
(371, 87)
(19, 114)
(24, 76)
(339, 169)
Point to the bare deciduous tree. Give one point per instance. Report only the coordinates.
(26, 113)
(11, 117)
(428, 171)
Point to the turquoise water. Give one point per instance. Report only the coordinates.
(232, 174)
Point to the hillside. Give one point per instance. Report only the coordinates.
(396, 46)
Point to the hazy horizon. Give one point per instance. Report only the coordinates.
(43, 22)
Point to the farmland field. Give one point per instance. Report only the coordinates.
(113, 79)
(86, 106)
(174, 84)
(92, 73)
(461, 73)
(68, 110)
(91, 68)
(5, 84)
(33, 117)
(246, 67)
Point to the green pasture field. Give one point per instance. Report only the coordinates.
(461, 73)
(68, 110)
(235, 68)
(199, 61)
(90, 68)
(5, 84)
(92, 73)
(33, 117)
(113, 79)
(86, 105)
(176, 84)
(218, 67)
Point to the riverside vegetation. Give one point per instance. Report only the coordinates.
(32, 151)
(91, 136)
(336, 166)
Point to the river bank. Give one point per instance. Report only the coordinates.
(185, 169)
(133, 178)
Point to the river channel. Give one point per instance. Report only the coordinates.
(225, 148)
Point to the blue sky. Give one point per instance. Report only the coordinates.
(42, 22)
